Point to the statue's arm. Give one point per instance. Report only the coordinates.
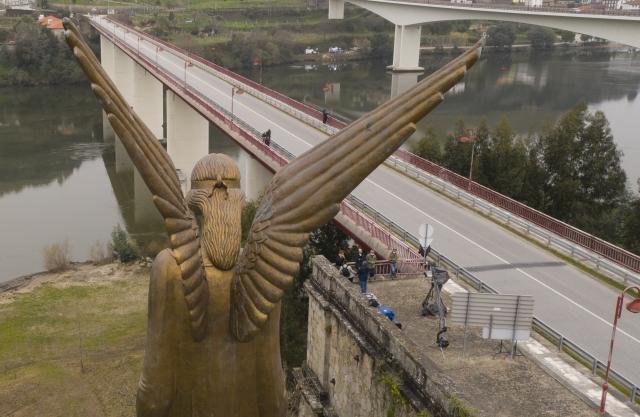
(157, 383)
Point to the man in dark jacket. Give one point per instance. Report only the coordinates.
(363, 271)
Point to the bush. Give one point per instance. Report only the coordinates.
(100, 253)
(123, 248)
(57, 257)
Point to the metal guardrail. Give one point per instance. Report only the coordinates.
(394, 236)
(575, 242)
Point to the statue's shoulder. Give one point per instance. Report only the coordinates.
(164, 268)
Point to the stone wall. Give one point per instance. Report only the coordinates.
(359, 364)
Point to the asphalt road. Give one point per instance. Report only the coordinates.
(567, 299)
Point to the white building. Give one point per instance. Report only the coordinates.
(630, 5)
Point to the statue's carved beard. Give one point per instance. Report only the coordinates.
(220, 224)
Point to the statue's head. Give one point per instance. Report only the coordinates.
(216, 200)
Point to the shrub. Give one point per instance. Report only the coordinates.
(100, 253)
(123, 248)
(57, 257)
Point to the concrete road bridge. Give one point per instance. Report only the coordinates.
(409, 15)
(181, 97)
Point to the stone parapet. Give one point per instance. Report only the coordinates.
(363, 362)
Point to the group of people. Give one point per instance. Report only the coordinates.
(365, 266)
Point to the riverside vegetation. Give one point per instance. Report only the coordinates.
(241, 35)
(570, 171)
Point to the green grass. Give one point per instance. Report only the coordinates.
(70, 350)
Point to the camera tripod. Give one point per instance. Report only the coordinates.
(432, 304)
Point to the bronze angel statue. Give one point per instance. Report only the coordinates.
(213, 345)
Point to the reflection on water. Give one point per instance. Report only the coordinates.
(59, 179)
(530, 90)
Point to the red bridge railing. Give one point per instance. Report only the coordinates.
(620, 256)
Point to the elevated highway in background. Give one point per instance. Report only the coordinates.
(615, 25)
(573, 303)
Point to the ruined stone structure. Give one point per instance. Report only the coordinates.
(360, 364)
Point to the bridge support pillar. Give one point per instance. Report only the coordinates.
(402, 81)
(406, 49)
(123, 74)
(148, 100)
(187, 136)
(254, 177)
(108, 135)
(107, 55)
(336, 9)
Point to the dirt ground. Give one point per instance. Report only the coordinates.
(71, 344)
(492, 383)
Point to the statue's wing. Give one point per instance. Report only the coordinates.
(158, 172)
(305, 194)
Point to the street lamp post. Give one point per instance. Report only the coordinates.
(234, 91)
(469, 137)
(634, 307)
(186, 64)
(158, 48)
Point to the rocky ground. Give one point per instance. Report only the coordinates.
(491, 382)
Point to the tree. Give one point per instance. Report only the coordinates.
(630, 229)
(586, 184)
(429, 147)
(541, 38)
(567, 36)
(457, 39)
(501, 35)
(535, 177)
(502, 160)
(457, 154)
(326, 241)
(381, 45)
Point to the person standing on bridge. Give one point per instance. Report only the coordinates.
(266, 137)
(325, 116)
(363, 271)
(371, 263)
(393, 262)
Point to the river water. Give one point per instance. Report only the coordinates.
(60, 179)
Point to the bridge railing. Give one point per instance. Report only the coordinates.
(525, 8)
(276, 99)
(235, 123)
(514, 212)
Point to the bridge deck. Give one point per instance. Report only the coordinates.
(566, 298)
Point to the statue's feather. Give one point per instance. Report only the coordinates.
(158, 172)
(305, 194)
